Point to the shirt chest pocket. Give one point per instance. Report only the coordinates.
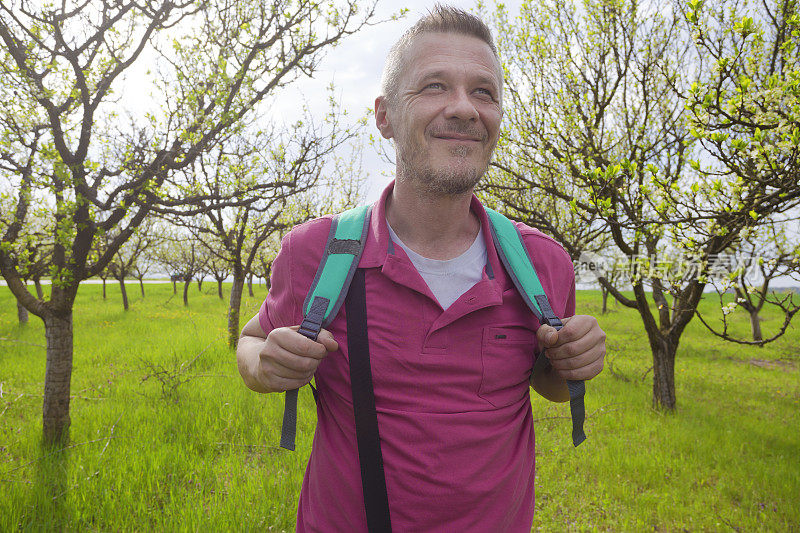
(507, 355)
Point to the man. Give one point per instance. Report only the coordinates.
(451, 341)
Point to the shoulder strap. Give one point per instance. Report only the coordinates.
(346, 240)
(368, 440)
(519, 266)
(342, 251)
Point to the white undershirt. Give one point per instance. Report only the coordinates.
(450, 278)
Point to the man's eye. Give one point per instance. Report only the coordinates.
(486, 92)
(434, 85)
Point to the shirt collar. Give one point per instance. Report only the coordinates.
(379, 243)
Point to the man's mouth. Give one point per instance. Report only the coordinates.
(458, 137)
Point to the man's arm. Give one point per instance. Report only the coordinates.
(281, 360)
(576, 352)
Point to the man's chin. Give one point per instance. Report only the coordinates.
(446, 175)
(452, 179)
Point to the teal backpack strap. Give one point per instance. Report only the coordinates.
(518, 264)
(345, 245)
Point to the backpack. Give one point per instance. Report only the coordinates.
(333, 285)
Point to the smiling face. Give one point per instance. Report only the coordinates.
(445, 117)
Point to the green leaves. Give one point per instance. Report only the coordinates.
(695, 7)
(744, 83)
(744, 27)
(739, 144)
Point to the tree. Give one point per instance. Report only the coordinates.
(66, 151)
(266, 255)
(183, 257)
(743, 103)
(743, 109)
(603, 268)
(219, 270)
(123, 264)
(33, 254)
(769, 253)
(614, 276)
(146, 260)
(598, 92)
(287, 165)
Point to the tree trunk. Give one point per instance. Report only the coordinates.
(57, 375)
(22, 313)
(250, 285)
(124, 293)
(664, 373)
(174, 287)
(755, 325)
(200, 284)
(219, 289)
(38, 284)
(186, 291)
(233, 309)
(605, 299)
(141, 286)
(104, 288)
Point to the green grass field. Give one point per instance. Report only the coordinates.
(165, 437)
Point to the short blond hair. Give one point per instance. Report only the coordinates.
(441, 19)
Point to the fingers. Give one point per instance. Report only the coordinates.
(292, 341)
(579, 349)
(576, 327)
(288, 360)
(547, 336)
(573, 328)
(286, 364)
(326, 339)
(577, 361)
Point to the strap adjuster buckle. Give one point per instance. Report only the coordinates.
(312, 323)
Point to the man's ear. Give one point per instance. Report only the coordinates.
(382, 118)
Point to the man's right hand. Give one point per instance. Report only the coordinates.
(284, 360)
(288, 359)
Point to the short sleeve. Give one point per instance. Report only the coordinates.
(569, 309)
(280, 308)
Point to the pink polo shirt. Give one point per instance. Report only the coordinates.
(451, 387)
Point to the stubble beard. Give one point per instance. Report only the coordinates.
(451, 180)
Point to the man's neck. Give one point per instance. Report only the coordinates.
(434, 226)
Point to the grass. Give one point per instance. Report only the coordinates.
(164, 435)
(726, 460)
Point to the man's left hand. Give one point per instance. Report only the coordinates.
(577, 350)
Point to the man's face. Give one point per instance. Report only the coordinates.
(445, 118)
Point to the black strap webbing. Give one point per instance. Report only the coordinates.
(373, 481)
(577, 389)
(289, 424)
(310, 328)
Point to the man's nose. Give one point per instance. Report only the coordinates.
(460, 106)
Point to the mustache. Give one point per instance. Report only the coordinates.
(458, 128)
